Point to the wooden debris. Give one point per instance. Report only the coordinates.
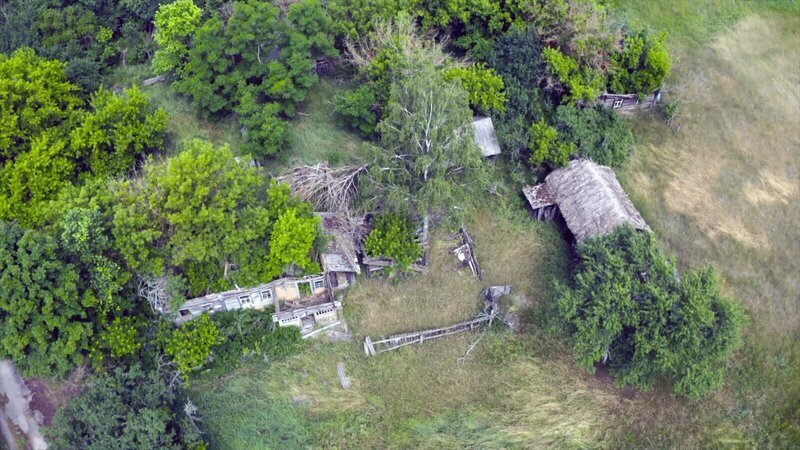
(471, 347)
(154, 80)
(466, 253)
(342, 376)
(417, 337)
(329, 189)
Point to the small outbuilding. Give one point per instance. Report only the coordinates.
(589, 198)
(629, 103)
(485, 137)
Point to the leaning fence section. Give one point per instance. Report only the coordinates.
(372, 348)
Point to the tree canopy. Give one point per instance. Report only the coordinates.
(50, 140)
(628, 308)
(131, 407)
(428, 162)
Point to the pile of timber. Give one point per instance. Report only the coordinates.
(372, 348)
(466, 253)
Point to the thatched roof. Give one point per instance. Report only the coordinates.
(485, 137)
(591, 200)
(538, 196)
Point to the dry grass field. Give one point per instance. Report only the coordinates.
(722, 187)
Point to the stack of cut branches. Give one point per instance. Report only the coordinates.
(328, 189)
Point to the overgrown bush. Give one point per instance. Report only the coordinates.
(485, 87)
(628, 308)
(642, 64)
(597, 132)
(356, 109)
(131, 408)
(191, 344)
(547, 148)
(251, 334)
(394, 238)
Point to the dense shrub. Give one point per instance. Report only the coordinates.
(394, 238)
(598, 133)
(251, 334)
(642, 64)
(627, 308)
(356, 109)
(131, 408)
(485, 88)
(547, 148)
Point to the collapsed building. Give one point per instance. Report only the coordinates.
(306, 302)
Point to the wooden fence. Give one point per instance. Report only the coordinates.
(372, 348)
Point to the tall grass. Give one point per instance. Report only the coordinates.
(315, 136)
(724, 189)
(513, 391)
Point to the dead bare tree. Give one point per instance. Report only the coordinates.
(328, 189)
(156, 291)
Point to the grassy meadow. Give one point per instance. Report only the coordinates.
(513, 391)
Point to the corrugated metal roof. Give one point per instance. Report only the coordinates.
(485, 136)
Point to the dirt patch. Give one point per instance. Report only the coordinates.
(42, 403)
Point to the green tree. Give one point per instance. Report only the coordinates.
(627, 308)
(35, 96)
(200, 207)
(356, 109)
(291, 243)
(547, 147)
(580, 83)
(598, 133)
(45, 315)
(267, 133)
(191, 344)
(642, 64)
(429, 162)
(175, 24)
(131, 408)
(517, 57)
(208, 73)
(120, 129)
(119, 340)
(394, 238)
(485, 87)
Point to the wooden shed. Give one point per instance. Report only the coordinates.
(589, 198)
(629, 103)
(485, 137)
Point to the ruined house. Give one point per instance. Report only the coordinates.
(485, 137)
(305, 302)
(339, 260)
(589, 198)
(629, 103)
(283, 290)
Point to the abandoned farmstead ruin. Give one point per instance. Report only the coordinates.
(589, 198)
(305, 302)
(586, 195)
